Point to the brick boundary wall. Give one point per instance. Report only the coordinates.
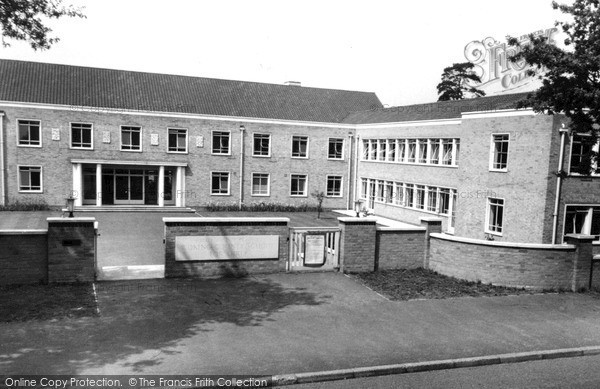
(400, 248)
(71, 249)
(226, 226)
(23, 257)
(358, 244)
(534, 266)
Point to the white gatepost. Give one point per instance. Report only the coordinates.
(179, 187)
(161, 186)
(98, 184)
(77, 184)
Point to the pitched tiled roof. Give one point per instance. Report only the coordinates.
(117, 89)
(433, 111)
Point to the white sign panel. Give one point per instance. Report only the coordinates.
(314, 250)
(226, 248)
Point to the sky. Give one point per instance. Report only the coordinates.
(397, 49)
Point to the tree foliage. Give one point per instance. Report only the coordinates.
(454, 84)
(25, 20)
(570, 76)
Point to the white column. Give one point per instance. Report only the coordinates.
(179, 187)
(77, 184)
(98, 184)
(161, 186)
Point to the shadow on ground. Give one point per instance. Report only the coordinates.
(141, 322)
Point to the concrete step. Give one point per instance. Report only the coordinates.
(132, 208)
(142, 272)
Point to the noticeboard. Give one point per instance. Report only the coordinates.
(314, 249)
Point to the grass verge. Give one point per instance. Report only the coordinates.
(426, 284)
(46, 302)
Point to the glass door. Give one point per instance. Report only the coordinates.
(129, 186)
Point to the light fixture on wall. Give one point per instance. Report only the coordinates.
(70, 204)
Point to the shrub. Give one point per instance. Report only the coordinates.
(25, 206)
(260, 207)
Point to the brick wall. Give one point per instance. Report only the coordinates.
(71, 249)
(400, 248)
(23, 257)
(55, 156)
(531, 266)
(358, 242)
(224, 227)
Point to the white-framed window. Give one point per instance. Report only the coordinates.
(581, 145)
(366, 149)
(298, 185)
(494, 220)
(219, 185)
(373, 150)
(364, 189)
(410, 195)
(382, 152)
(82, 136)
(582, 219)
(392, 150)
(380, 196)
(399, 194)
(299, 146)
(260, 184)
(446, 151)
(131, 138)
(435, 151)
(499, 152)
(336, 148)
(423, 149)
(29, 133)
(177, 140)
(432, 199)
(420, 201)
(444, 201)
(412, 151)
(221, 141)
(261, 145)
(389, 192)
(334, 186)
(30, 179)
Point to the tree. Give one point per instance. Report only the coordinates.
(319, 196)
(570, 76)
(455, 80)
(22, 20)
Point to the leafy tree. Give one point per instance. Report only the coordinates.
(454, 84)
(570, 76)
(23, 20)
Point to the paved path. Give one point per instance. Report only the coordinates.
(287, 323)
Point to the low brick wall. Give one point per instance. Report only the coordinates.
(23, 257)
(71, 249)
(533, 266)
(358, 244)
(224, 227)
(400, 248)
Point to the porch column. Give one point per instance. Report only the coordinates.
(161, 186)
(179, 187)
(98, 184)
(77, 192)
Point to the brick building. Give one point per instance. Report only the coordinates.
(120, 139)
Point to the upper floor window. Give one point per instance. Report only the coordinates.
(494, 216)
(220, 183)
(581, 147)
(81, 136)
(221, 142)
(29, 133)
(262, 145)
(177, 140)
(499, 152)
(336, 148)
(334, 186)
(131, 138)
(300, 146)
(30, 179)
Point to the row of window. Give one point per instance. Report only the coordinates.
(30, 180)
(421, 197)
(261, 184)
(419, 151)
(29, 134)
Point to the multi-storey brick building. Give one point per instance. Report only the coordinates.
(115, 138)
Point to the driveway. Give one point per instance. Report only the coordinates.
(286, 323)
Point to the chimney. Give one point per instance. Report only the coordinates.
(293, 83)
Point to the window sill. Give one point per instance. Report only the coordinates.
(32, 146)
(81, 148)
(221, 154)
(177, 152)
(131, 151)
(493, 233)
(220, 194)
(410, 163)
(498, 170)
(31, 191)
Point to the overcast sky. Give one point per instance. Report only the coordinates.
(396, 49)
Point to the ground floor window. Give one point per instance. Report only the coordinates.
(30, 179)
(582, 219)
(260, 184)
(298, 185)
(334, 186)
(495, 216)
(220, 183)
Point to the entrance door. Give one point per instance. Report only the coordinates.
(372, 193)
(129, 187)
